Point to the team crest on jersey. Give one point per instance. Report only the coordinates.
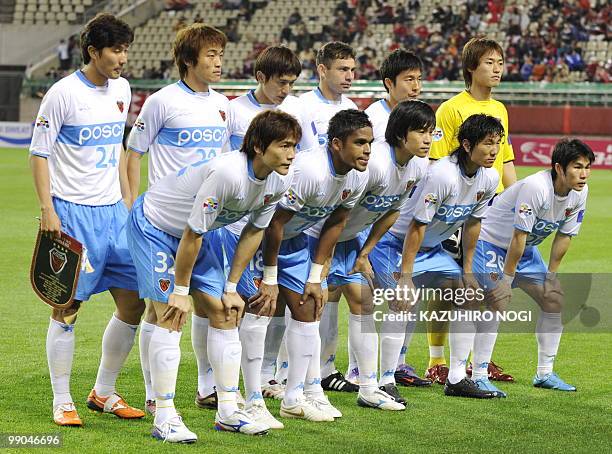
(210, 204)
(568, 211)
(291, 197)
(42, 122)
(479, 195)
(267, 198)
(222, 113)
(437, 135)
(494, 276)
(120, 105)
(525, 210)
(139, 124)
(431, 199)
(410, 185)
(164, 284)
(345, 194)
(57, 260)
(256, 281)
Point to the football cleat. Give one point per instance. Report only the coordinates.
(66, 415)
(437, 373)
(467, 388)
(352, 376)
(241, 422)
(209, 401)
(337, 382)
(304, 409)
(322, 403)
(486, 385)
(552, 381)
(113, 404)
(259, 412)
(391, 390)
(379, 399)
(173, 430)
(495, 372)
(405, 375)
(273, 390)
(150, 407)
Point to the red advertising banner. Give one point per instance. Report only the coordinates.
(537, 151)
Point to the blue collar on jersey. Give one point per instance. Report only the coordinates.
(251, 171)
(323, 98)
(85, 80)
(186, 88)
(331, 162)
(252, 98)
(385, 105)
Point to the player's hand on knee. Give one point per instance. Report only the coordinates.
(176, 312)
(264, 302)
(313, 290)
(363, 266)
(50, 223)
(501, 295)
(233, 305)
(405, 296)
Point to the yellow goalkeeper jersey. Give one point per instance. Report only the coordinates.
(452, 113)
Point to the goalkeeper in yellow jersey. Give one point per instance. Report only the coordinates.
(483, 65)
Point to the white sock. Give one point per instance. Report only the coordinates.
(146, 330)
(410, 325)
(312, 384)
(252, 338)
(391, 340)
(164, 358)
(364, 340)
(328, 331)
(301, 341)
(436, 351)
(548, 333)
(117, 343)
(199, 338)
(224, 352)
(352, 359)
(60, 351)
(461, 341)
(484, 342)
(282, 361)
(274, 337)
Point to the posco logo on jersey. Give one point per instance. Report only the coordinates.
(315, 213)
(454, 213)
(229, 216)
(373, 202)
(541, 229)
(209, 136)
(90, 135)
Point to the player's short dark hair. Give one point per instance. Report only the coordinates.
(277, 61)
(345, 122)
(568, 150)
(268, 126)
(104, 30)
(476, 129)
(411, 115)
(473, 51)
(191, 40)
(397, 62)
(334, 50)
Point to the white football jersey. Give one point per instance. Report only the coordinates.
(531, 205)
(314, 115)
(240, 112)
(213, 195)
(446, 199)
(179, 127)
(79, 129)
(316, 191)
(378, 113)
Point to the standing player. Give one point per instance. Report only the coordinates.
(174, 235)
(401, 74)
(76, 160)
(520, 218)
(482, 61)
(395, 169)
(328, 182)
(336, 69)
(276, 69)
(181, 124)
(455, 192)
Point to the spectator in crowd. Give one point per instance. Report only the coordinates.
(64, 55)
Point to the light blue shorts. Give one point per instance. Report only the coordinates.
(252, 275)
(344, 260)
(106, 261)
(153, 252)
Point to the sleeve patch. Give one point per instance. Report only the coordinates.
(525, 210)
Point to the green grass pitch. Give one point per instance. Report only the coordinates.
(528, 420)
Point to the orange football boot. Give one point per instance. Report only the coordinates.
(66, 415)
(113, 404)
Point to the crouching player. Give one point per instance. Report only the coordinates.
(177, 248)
(455, 193)
(328, 182)
(396, 166)
(507, 255)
